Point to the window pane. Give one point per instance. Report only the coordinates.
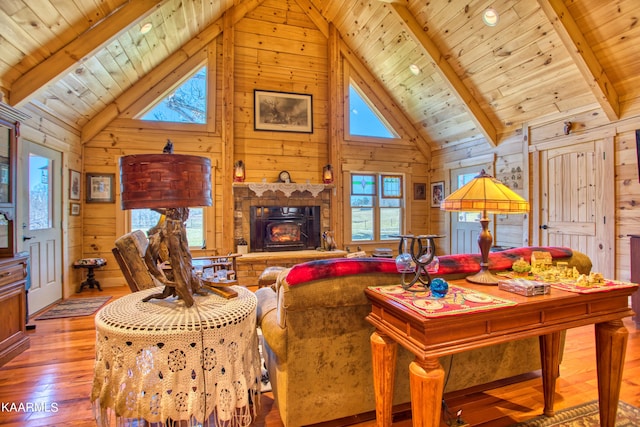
(187, 104)
(391, 186)
(467, 216)
(363, 184)
(363, 120)
(361, 201)
(39, 193)
(390, 221)
(195, 227)
(390, 203)
(145, 219)
(361, 224)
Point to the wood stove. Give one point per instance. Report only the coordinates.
(284, 228)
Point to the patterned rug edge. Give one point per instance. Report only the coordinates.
(585, 415)
(74, 307)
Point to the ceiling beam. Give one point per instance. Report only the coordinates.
(84, 45)
(447, 73)
(583, 56)
(315, 16)
(154, 78)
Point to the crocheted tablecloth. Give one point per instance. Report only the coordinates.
(162, 361)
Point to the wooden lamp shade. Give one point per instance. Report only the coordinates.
(152, 181)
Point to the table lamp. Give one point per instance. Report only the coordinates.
(485, 194)
(169, 184)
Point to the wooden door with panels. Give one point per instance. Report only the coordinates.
(575, 183)
(465, 226)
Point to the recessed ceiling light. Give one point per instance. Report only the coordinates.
(146, 27)
(490, 17)
(415, 70)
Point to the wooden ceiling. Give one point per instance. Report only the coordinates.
(544, 59)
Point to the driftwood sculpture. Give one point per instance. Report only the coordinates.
(168, 243)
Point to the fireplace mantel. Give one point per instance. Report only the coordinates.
(286, 188)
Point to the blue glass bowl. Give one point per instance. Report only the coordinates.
(439, 288)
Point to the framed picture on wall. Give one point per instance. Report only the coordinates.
(74, 185)
(282, 111)
(75, 209)
(100, 188)
(419, 191)
(437, 193)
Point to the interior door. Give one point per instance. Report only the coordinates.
(465, 226)
(41, 214)
(577, 200)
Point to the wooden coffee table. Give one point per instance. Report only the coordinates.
(544, 316)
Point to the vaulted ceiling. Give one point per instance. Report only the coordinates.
(545, 59)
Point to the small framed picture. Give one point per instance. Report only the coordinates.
(100, 188)
(75, 209)
(437, 193)
(419, 191)
(74, 185)
(282, 111)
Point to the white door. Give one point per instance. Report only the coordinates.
(41, 216)
(577, 200)
(465, 226)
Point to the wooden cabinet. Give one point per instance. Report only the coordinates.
(635, 276)
(9, 132)
(13, 268)
(13, 306)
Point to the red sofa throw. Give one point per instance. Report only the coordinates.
(449, 264)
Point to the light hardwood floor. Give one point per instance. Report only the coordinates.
(58, 369)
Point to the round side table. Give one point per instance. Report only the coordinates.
(163, 362)
(90, 264)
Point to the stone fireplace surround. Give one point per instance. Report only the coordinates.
(245, 198)
(251, 265)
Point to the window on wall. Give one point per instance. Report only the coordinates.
(377, 202)
(145, 219)
(364, 120)
(473, 217)
(186, 104)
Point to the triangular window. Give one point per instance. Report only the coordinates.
(186, 104)
(363, 119)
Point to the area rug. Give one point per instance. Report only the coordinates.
(74, 307)
(585, 415)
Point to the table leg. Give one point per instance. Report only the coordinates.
(611, 345)
(550, 363)
(384, 353)
(426, 378)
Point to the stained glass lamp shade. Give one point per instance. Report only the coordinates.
(485, 194)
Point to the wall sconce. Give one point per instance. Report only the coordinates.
(238, 171)
(327, 174)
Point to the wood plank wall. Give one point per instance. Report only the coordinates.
(509, 154)
(276, 47)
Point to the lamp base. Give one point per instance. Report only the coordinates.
(483, 277)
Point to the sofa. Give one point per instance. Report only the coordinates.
(316, 340)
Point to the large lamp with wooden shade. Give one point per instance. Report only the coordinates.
(485, 194)
(169, 184)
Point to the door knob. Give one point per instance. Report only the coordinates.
(27, 237)
(544, 227)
